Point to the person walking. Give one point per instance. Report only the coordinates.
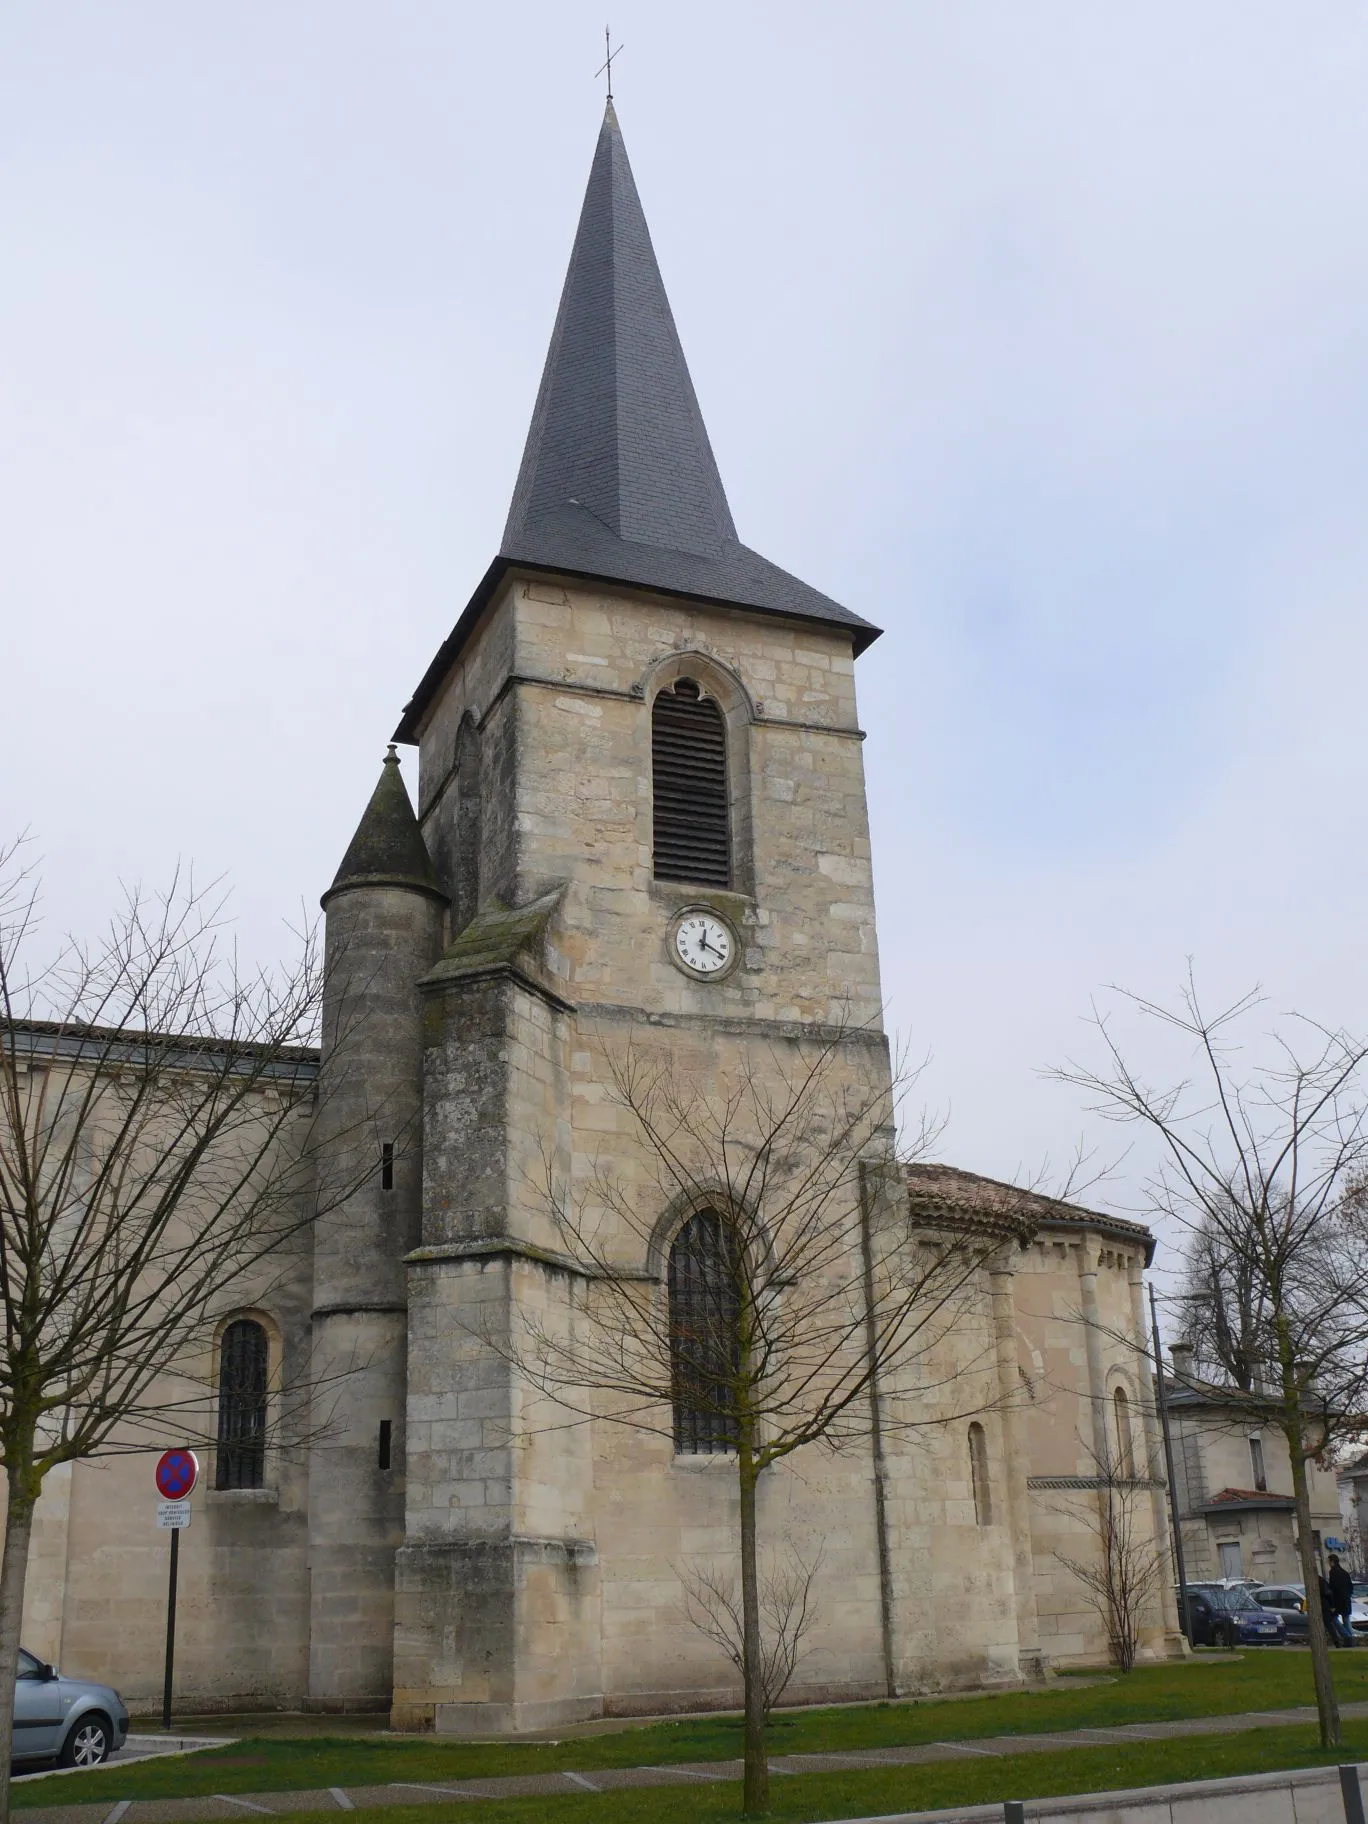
(1328, 1615)
(1341, 1587)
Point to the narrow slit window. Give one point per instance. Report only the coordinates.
(691, 829)
(704, 1335)
(1125, 1441)
(387, 1166)
(383, 1452)
(978, 1476)
(244, 1356)
(1256, 1464)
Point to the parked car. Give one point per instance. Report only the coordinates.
(67, 1720)
(1289, 1599)
(1221, 1617)
(1295, 1618)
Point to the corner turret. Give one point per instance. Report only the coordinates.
(384, 916)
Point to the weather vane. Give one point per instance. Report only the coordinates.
(607, 63)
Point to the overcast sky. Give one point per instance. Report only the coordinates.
(1033, 332)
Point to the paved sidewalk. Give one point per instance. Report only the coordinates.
(216, 1808)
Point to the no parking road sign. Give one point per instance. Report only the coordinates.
(177, 1474)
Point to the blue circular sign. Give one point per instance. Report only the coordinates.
(177, 1474)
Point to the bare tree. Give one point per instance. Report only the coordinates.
(157, 1114)
(1122, 1578)
(712, 1604)
(1224, 1305)
(798, 1305)
(1259, 1164)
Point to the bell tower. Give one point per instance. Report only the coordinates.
(642, 791)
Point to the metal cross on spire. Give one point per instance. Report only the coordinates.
(607, 64)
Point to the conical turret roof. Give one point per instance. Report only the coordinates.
(388, 847)
(618, 480)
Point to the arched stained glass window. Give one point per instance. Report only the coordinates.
(704, 1334)
(244, 1356)
(978, 1475)
(691, 826)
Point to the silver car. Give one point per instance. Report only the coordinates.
(67, 1720)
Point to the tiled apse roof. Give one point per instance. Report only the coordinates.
(949, 1188)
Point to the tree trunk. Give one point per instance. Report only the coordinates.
(13, 1574)
(755, 1799)
(1327, 1705)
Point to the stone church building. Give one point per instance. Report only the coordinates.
(640, 820)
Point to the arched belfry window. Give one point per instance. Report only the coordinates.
(691, 833)
(704, 1326)
(244, 1356)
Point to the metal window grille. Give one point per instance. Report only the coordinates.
(691, 833)
(704, 1334)
(243, 1358)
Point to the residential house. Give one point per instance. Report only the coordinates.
(1233, 1482)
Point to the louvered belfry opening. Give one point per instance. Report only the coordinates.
(704, 1334)
(689, 787)
(243, 1362)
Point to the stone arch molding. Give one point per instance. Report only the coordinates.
(275, 1342)
(739, 714)
(718, 679)
(704, 1196)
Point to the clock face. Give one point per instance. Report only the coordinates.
(703, 943)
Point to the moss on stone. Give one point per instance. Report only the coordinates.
(494, 938)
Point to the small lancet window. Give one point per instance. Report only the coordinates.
(244, 1356)
(387, 1166)
(691, 823)
(704, 1334)
(1256, 1465)
(1125, 1442)
(978, 1475)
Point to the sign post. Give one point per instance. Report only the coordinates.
(177, 1474)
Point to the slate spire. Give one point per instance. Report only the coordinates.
(388, 847)
(618, 478)
(616, 428)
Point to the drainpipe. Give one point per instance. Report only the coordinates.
(876, 1435)
(1162, 1401)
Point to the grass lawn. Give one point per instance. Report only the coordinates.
(824, 1796)
(1214, 1686)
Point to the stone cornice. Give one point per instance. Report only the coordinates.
(736, 1025)
(510, 1247)
(44, 1041)
(1093, 1482)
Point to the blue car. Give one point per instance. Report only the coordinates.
(67, 1720)
(1221, 1617)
